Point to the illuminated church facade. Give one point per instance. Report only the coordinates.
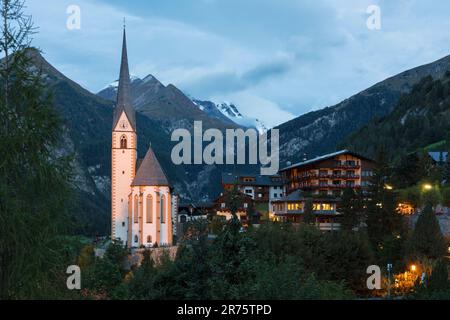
(141, 198)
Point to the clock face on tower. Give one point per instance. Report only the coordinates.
(123, 124)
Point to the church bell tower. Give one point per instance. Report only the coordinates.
(124, 153)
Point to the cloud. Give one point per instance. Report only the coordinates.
(291, 56)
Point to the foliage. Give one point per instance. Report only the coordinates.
(427, 239)
(34, 180)
(308, 215)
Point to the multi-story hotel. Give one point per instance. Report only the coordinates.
(322, 180)
(330, 174)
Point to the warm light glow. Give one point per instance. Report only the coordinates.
(427, 186)
(388, 187)
(413, 268)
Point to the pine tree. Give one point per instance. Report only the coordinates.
(383, 220)
(427, 239)
(308, 215)
(439, 277)
(349, 209)
(34, 185)
(447, 169)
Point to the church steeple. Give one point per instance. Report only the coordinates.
(124, 99)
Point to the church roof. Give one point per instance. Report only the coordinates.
(150, 172)
(124, 102)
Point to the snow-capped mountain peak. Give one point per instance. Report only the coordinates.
(227, 111)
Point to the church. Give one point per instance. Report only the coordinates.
(141, 198)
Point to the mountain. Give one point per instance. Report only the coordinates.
(87, 120)
(166, 104)
(421, 118)
(322, 131)
(229, 112)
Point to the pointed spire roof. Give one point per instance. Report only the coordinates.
(124, 101)
(150, 172)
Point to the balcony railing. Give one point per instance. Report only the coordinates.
(326, 176)
(329, 186)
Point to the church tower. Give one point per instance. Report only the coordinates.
(124, 153)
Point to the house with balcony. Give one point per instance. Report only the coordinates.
(261, 189)
(330, 174)
(291, 208)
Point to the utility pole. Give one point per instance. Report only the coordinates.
(389, 269)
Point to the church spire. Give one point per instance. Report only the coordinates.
(124, 99)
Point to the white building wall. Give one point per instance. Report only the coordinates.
(123, 171)
(151, 229)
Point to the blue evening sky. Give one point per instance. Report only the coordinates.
(276, 59)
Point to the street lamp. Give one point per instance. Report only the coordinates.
(413, 268)
(388, 187)
(427, 186)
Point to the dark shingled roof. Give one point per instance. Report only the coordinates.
(260, 180)
(326, 157)
(150, 172)
(123, 92)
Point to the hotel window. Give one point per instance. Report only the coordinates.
(246, 205)
(136, 209)
(323, 183)
(323, 173)
(163, 209)
(336, 182)
(326, 207)
(136, 239)
(149, 206)
(350, 173)
(222, 205)
(259, 195)
(275, 195)
(337, 173)
(350, 183)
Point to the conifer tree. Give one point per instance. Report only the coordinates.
(427, 239)
(33, 178)
(349, 209)
(308, 215)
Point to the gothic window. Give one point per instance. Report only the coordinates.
(136, 238)
(136, 207)
(163, 209)
(123, 142)
(149, 217)
(149, 239)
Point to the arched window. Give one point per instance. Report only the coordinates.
(163, 209)
(149, 239)
(136, 209)
(149, 217)
(123, 142)
(136, 239)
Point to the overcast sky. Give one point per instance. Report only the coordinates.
(276, 59)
